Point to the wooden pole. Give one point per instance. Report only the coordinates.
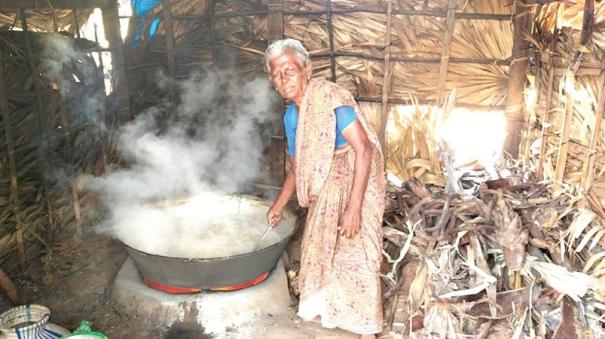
(111, 23)
(9, 287)
(55, 25)
(275, 20)
(68, 149)
(386, 81)
(43, 120)
(169, 36)
(213, 32)
(544, 133)
(331, 41)
(103, 113)
(564, 140)
(517, 79)
(170, 47)
(589, 163)
(75, 195)
(445, 52)
(12, 164)
(532, 109)
(277, 153)
(74, 12)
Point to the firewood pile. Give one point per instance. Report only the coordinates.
(512, 260)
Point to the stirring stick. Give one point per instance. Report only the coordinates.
(262, 238)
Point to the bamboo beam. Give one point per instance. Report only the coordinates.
(12, 163)
(331, 42)
(580, 72)
(516, 81)
(400, 101)
(359, 9)
(544, 2)
(416, 60)
(169, 36)
(565, 131)
(111, 24)
(386, 80)
(589, 163)
(445, 52)
(563, 62)
(43, 120)
(55, 4)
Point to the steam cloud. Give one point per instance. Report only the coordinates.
(208, 142)
(211, 145)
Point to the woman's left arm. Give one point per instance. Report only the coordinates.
(358, 139)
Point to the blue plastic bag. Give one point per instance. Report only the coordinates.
(141, 8)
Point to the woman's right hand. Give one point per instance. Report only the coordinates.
(274, 215)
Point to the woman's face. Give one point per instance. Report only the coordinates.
(289, 76)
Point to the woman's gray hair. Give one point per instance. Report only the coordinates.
(280, 46)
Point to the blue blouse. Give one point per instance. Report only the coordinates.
(345, 115)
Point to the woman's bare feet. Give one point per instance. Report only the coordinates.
(367, 336)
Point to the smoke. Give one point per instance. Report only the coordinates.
(77, 77)
(76, 125)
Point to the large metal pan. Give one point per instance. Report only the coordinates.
(213, 273)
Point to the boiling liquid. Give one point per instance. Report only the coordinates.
(197, 229)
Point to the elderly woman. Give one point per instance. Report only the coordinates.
(337, 172)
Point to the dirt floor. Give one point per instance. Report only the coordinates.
(74, 281)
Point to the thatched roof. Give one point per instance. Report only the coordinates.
(416, 44)
(558, 40)
(45, 20)
(36, 191)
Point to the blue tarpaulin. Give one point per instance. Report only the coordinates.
(141, 9)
